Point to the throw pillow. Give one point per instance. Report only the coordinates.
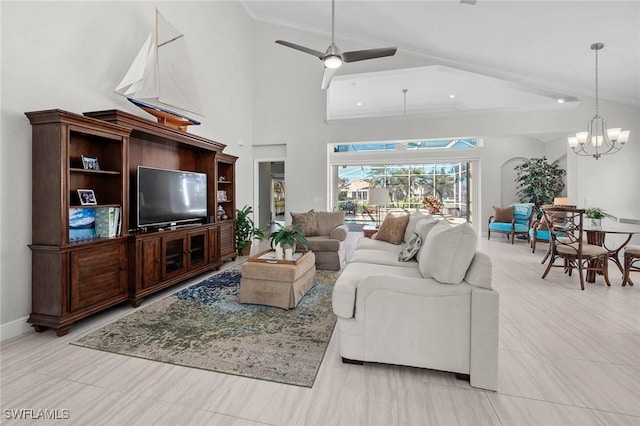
(411, 249)
(448, 252)
(306, 221)
(414, 218)
(503, 214)
(392, 228)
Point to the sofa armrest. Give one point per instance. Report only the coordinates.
(339, 233)
(485, 325)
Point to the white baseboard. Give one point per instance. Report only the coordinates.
(14, 328)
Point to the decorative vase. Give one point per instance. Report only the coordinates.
(288, 254)
(289, 249)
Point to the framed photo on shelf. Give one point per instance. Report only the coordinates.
(87, 197)
(90, 163)
(222, 196)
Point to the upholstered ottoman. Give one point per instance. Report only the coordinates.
(277, 283)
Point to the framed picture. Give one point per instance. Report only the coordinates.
(87, 197)
(90, 163)
(222, 196)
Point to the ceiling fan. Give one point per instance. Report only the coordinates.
(333, 57)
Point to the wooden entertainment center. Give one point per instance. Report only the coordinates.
(73, 278)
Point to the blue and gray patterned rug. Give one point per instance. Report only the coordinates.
(204, 326)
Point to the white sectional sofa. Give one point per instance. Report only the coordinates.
(437, 312)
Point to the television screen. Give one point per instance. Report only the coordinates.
(170, 196)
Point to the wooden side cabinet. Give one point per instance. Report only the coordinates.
(76, 273)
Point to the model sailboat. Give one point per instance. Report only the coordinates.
(160, 79)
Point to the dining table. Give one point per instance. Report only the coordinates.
(597, 235)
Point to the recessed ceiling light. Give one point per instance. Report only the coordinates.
(560, 101)
(451, 96)
(359, 104)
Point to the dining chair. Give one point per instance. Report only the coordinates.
(567, 244)
(631, 256)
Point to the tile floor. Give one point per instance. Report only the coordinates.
(567, 357)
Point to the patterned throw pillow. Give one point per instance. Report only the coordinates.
(307, 221)
(392, 228)
(411, 249)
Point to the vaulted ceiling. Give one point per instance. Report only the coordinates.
(531, 49)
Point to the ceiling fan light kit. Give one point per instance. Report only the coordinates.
(598, 140)
(333, 58)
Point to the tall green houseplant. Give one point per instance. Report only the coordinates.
(246, 230)
(539, 182)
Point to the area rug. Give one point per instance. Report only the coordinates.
(204, 326)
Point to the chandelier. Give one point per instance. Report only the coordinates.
(598, 140)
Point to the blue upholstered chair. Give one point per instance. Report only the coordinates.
(539, 232)
(513, 220)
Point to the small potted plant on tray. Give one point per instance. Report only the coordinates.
(246, 231)
(287, 238)
(595, 216)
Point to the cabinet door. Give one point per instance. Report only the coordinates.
(98, 275)
(174, 255)
(227, 239)
(214, 244)
(198, 248)
(150, 262)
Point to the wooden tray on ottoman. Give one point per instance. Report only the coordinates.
(269, 256)
(279, 283)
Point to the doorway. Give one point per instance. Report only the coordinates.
(271, 193)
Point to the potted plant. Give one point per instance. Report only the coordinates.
(288, 237)
(539, 182)
(246, 231)
(595, 215)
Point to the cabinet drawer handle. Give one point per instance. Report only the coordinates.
(157, 260)
(122, 268)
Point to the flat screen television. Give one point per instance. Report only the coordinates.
(167, 197)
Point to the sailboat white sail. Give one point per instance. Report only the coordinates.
(160, 79)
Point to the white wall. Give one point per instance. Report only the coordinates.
(71, 55)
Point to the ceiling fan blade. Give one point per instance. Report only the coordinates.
(327, 75)
(315, 53)
(361, 55)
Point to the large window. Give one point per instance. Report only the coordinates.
(432, 175)
(411, 186)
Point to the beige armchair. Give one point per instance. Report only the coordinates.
(326, 233)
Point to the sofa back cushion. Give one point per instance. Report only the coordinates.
(423, 227)
(306, 221)
(392, 228)
(328, 220)
(448, 252)
(414, 218)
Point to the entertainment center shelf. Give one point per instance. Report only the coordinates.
(84, 165)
